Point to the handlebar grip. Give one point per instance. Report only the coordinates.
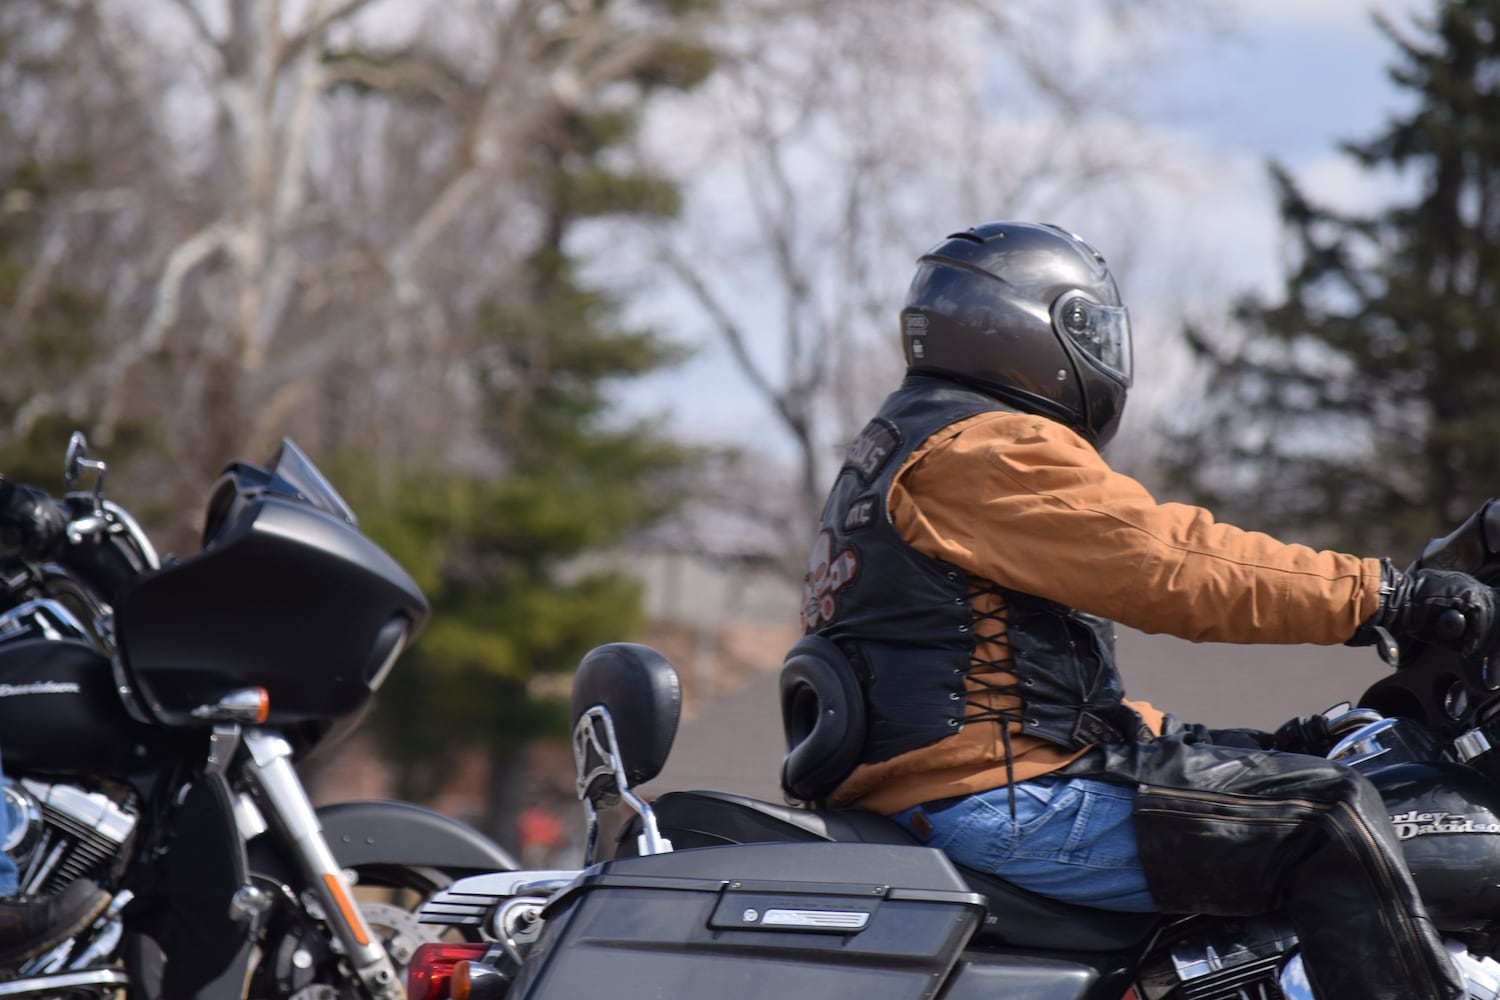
(1450, 626)
(30, 521)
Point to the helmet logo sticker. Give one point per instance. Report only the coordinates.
(1420, 824)
(869, 452)
(826, 575)
(916, 329)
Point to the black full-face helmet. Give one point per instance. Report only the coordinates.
(1028, 314)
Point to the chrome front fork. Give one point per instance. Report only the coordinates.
(281, 794)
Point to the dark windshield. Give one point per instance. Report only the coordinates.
(299, 477)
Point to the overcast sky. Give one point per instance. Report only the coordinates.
(1291, 82)
(1285, 80)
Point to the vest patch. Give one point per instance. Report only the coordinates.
(868, 453)
(861, 513)
(826, 575)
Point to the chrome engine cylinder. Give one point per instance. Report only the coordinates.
(59, 833)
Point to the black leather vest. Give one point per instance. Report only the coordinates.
(904, 619)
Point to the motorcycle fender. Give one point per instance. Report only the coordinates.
(399, 833)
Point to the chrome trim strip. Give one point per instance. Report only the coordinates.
(1471, 744)
(37, 985)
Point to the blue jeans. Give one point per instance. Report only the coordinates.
(1071, 839)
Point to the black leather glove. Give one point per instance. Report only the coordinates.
(29, 520)
(1437, 606)
(1309, 734)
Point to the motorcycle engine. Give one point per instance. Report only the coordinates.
(57, 833)
(1258, 959)
(1219, 959)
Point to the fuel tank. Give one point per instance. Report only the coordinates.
(1446, 816)
(61, 714)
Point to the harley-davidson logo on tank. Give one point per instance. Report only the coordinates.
(1419, 824)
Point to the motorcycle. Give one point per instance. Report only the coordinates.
(151, 712)
(707, 893)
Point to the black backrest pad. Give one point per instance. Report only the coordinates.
(643, 694)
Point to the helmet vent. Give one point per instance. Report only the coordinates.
(970, 235)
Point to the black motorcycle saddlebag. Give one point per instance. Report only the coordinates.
(875, 921)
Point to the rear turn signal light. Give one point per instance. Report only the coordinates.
(477, 981)
(430, 975)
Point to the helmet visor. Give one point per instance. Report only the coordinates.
(1102, 332)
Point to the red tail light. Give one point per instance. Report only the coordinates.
(431, 970)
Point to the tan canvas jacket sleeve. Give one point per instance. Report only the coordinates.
(1024, 502)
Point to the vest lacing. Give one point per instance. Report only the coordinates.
(983, 678)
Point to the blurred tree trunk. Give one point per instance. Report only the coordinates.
(285, 215)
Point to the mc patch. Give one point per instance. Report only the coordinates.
(862, 512)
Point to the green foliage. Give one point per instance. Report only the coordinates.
(1363, 409)
(506, 561)
(677, 64)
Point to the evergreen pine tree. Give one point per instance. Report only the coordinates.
(504, 559)
(1363, 410)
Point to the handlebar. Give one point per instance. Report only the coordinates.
(83, 534)
(31, 522)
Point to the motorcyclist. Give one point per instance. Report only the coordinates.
(970, 561)
(33, 924)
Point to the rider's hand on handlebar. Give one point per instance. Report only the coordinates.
(1309, 734)
(1442, 607)
(30, 522)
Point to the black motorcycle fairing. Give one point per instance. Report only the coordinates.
(1473, 547)
(324, 599)
(1017, 918)
(371, 833)
(289, 474)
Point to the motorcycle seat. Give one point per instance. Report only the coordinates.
(1017, 917)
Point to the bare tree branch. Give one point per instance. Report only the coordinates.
(323, 17)
(187, 255)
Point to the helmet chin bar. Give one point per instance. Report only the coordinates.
(602, 782)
